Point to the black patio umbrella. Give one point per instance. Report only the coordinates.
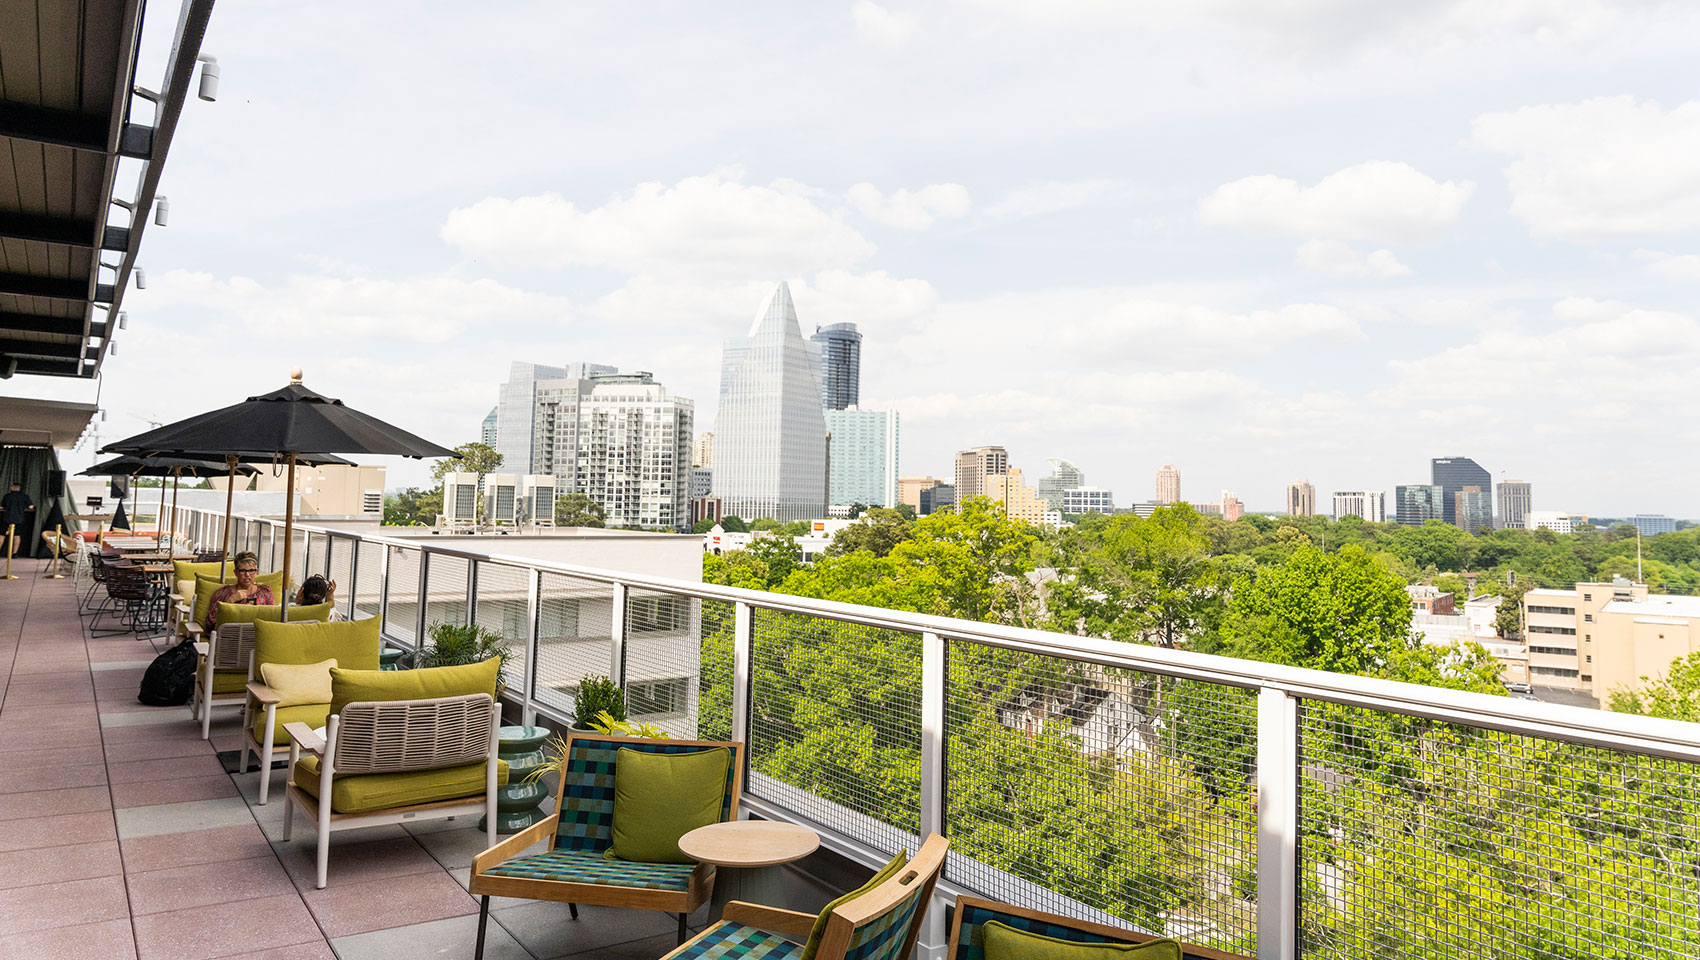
(173, 467)
(284, 424)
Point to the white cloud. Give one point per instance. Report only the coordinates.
(1605, 167)
(879, 25)
(709, 225)
(1336, 259)
(1671, 266)
(910, 211)
(1056, 196)
(1378, 200)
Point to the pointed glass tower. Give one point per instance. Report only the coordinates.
(769, 436)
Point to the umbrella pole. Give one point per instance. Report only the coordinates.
(159, 517)
(174, 475)
(288, 532)
(229, 499)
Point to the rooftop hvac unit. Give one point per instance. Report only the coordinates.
(372, 501)
(501, 497)
(460, 497)
(538, 494)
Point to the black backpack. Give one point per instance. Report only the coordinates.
(171, 677)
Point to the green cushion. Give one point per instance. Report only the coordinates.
(362, 792)
(817, 931)
(1004, 942)
(354, 643)
(312, 714)
(660, 797)
(224, 681)
(229, 613)
(189, 569)
(205, 587)
(355, 685)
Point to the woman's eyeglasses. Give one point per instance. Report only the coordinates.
(241, 570)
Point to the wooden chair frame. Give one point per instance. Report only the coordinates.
(302, 737)
(697, 893)
(842, 924)
(958, 949)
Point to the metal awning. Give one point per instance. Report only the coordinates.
(68, 242)
(42, 423)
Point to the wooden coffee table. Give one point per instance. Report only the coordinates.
(745, 846)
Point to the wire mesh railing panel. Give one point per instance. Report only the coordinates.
(401, 616)
(365, 596)
(1444, 841)
(714, 686)
(1075, 788)
(445, 590)
(503, 607)
(836, 712)
(663, 660)
(575, 637)
(318, 547)
(340, 570)
(297, 555)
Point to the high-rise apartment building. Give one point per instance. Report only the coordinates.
(840, 365)
(770, 456)
(1064, 476)
(702, 454)
(863, 449)
(1417, 503)
(1018, 500)
(516, 407)
(1474, 508)
(1452, 474)
(974, 466)
(1371, 505)
(1168, 484)
(1516, 499)
(634, 450)
(1301, 499)
(487, 430)
(1653, 524)
(1232, 508)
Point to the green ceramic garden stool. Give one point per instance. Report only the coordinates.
(388, 657)
(517, 803)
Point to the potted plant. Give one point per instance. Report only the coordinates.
(453, 645)
(597, 695)
(604, 722)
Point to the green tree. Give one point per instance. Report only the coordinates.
(1341, 612)
(479, 458)
(779, 554)
(1508, 619)
(578, 510)
(1150, 580)
(1675, 696)
(879, 531)
(703, 526)
(413, 507)
(734, 524)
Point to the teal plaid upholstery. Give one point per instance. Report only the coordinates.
(967, 947)
(742, 942)
(584, 866)
(882, 938)
(587, 784)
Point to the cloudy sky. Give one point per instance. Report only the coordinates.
(1258, 239)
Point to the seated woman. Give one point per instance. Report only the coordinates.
(318, 590)
(244, 590)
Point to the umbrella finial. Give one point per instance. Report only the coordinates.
(295, 375)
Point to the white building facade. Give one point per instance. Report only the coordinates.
(863, 464)
(633, 455)
(1371, 505)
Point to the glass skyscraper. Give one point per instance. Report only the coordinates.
(841, 365)
(516, 406)
(1452, 474)
(1419, 503)
(864, 457)
(770, 446)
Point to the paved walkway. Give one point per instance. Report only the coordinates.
(121, 836)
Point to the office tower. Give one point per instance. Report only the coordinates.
(516, 408)
(702, 482)
(634, 450)
(1168, 484)
(1452, 474)
(939, 496)
(1232, 508)
(1064, 476)
(863, 448)
(909, 491)
(1516, 499)
(770, 456)
(1473, 507)
(1653, 524)
(487, 430)
(1017, 500)
(974, 466)
(1417, 503)
(1088, 500)
(1301, 499)
(841, 365)
(1371, 505)
(702, 455)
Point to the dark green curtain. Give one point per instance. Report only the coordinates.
(29, 466)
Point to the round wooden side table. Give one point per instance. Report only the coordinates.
(745, 846)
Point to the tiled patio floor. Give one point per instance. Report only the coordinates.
(122, 836)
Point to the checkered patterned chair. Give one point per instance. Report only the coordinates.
(971, 912)
(572, 869)
(881, 924)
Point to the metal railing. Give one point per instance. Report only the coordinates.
(1245, 806)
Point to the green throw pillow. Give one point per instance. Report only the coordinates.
(229, 613)
(1004, 942)
(189, 569)
(819, 929)
(205, 587)
(354, 643)
(660, 797)
(428, 683)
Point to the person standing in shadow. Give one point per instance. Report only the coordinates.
(16, 510)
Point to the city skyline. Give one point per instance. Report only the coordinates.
(1222, 303)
